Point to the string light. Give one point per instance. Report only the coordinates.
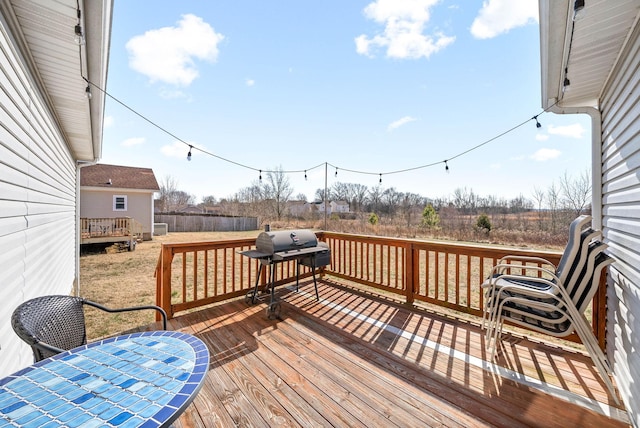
(87, 92)
(305, 175)
(79, 36)
(538, 125)
(380, 181)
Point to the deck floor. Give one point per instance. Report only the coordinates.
(354, 360)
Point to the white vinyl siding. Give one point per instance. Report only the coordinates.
(37, 202)
(621, 221)
(100, 203)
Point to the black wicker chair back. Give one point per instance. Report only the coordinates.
(54, 324)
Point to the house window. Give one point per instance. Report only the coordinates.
(119, 203)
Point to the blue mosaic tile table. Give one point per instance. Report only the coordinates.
(138, 380)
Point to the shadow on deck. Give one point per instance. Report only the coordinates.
(356, 360)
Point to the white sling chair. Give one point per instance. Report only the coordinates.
(554, 300)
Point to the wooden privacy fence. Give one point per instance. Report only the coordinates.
(193, 222)
(445, 274)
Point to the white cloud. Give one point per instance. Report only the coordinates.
(178, 149)
(544, 155)
(167, 54)
(250, 82)
(500, 16)
(108, 121)
(398, 123)
(404, 30)
(174, 94)
(573, 131)
(135, 141)
(542, 137)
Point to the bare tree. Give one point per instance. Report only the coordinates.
(465, 200)
(539, 197)
(278, 189)
(391, 199)
(375, 198)
(168, 186)
(358, 196)
(553, 200)
(172, 199)
(209, 200)
(409, 203)
(340, 191)
(576, 192)
(319, 195)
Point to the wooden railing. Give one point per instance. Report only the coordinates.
(109, 227)
(445, 274)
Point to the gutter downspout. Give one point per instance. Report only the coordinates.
(79, 164)
(596, 158)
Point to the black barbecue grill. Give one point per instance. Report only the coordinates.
(284, 245)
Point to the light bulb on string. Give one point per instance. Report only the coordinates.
(189, 154)
(336, 174)
(380, 181)
(538, 125)
(446, 166)
(305, 175)
(260, 176)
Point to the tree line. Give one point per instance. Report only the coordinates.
(269, 197)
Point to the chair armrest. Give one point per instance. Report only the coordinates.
(49, 348)
(131, 309)
(498, 272)
(526, 259)
(501, 268)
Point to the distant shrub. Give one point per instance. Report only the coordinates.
(334, 216)
(483, 223)
(373, 219)
(430, 217)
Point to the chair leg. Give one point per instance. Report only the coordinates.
(497, 334)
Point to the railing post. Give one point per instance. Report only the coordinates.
(411, 271)
(599, 310)
(165, 292)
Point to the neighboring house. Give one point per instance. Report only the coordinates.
(298, 208)
(591, 65)
(49, 129)
(339, 206)
(190, 209)
(108, 191)
(213, 209)
(333, 207)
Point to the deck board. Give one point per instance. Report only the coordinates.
(355, 360)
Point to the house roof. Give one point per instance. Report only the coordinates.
(583, 50)
(45, 33)
(121, 177)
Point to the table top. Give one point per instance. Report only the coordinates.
(143, 379)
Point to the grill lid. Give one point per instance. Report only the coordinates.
(285, 241)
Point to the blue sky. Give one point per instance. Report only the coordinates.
(370, 86)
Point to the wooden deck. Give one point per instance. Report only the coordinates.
(354, 360)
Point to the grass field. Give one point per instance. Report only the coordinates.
(118, 279)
